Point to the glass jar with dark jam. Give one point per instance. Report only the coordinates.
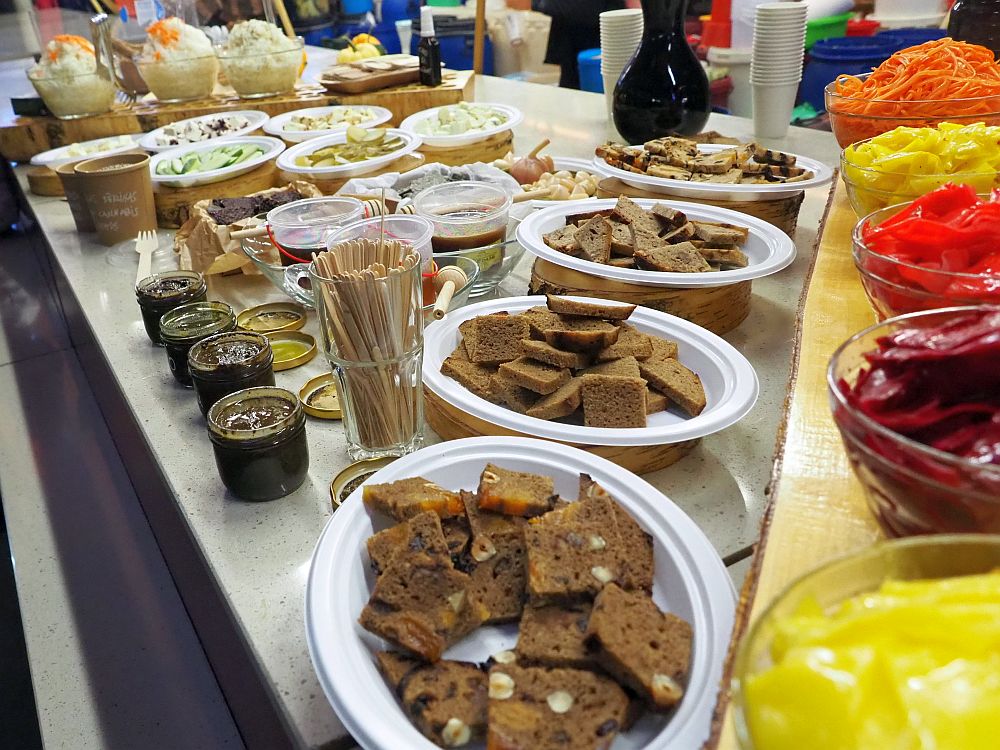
(229, 362)
(259, 439)
(185, 326)
(162, 292)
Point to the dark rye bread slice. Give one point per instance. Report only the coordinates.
(539, 319)
(539, 377)
(681, 258)
(718, 235)
(629, 212)
(566, 306)
(613, 401)
(422, 604)
(682, 233)
(499, 580)
(744, 232)
(560, 403)
(593, 240)
(536, 708)
(447, 702)
(621, 240)
(669, 218)
(547, 353)
(472, 376)
(583, 218)
(421, 533)
(630, 343)
(622, 262)
(643, 648)
(512, 395)
(676, 382)
(637, 544)
(496, 338)
(555, 636)
(406, 498)
(570, 561)
(581, 334)
(515, 493)
(626, 367)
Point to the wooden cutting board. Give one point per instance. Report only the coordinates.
(817, 509)
(23, 137)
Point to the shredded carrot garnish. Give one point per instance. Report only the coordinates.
(79, 41)
(164, 33)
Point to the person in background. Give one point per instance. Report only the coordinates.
(575, 27)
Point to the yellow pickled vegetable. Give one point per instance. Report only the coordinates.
(905, 163)
(913, 666)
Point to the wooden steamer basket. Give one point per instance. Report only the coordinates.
(487, 150)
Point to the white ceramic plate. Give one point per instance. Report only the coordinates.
(272, 147)
(56, 156)
(690, 581)
(768, 248)
(514, 117)
(256, 118)
(276, 125)
(730, 382)
(570, 164)
(287, 163)
(822, 174)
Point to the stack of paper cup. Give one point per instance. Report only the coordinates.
(621, 32)
(779, 35)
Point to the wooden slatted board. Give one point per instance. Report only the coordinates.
(23, 137)
(818, 509)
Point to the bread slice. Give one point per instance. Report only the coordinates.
(662, 349)
(447, 702)
(474, 377)
(406, 498)
(497, 562)
(512, 395)
(545, 352)
(770, 156)
(629, 212)
(669, 218)
(496, 338)
(560, 403)
(726, 256)
(536, 376)
(422, 532)
(613, 401)
(717, 163)
(554, 636)
(621, 240)
(655, 401)
(539, 319)
(581, 334)
(456, 535)
(514, 493)
(676, 382)
(681, 258)
(630, 343)
(594, 240)
(682, 233)
(743, 231)
(566, 306)
(718, 235)
(562, 240)
(625, 367)
(583, 218)
(622, 262)
(394, 667)
(536, 708)
(570, 561)
(643, 648)
(669, 172)
(732, 177)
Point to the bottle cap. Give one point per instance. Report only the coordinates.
(426, 21)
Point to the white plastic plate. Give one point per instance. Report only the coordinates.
(256, 120)
(822, 174)
(690, 581)
(272, 147)
(287, 163)
(276, 125)
(731, 385)
(768, 248)
(514, 117)
(57, 156)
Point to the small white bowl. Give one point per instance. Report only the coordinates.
(57, 156)
(277, 124)
(272, 147)
(256, 118)
(286, 162)
(514, 117)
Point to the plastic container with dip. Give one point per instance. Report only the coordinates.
(162, 292)
(185, 326)
(470, 219)
(229, 362)
(301, 228)
(259, 440)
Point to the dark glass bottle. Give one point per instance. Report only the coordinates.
(664, 89)
(429, 50)
(977, 22)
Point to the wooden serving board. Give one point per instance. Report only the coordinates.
(720, 309)
(24, 137)
(783, 213)
(43, 181)
(487, 150)
(818, 509)
(452, 424)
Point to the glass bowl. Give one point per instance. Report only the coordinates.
(910, 487)
(179, 79)
(256, 75)
(895, 287)
(72, 97)
(827, 586)
(853, 119)
(303, 227)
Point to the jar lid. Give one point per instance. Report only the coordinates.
(351, 478)
(166, 287)
(254, 414)
(320, 398)
(225, 354)
(274, 316)
(195, 321)
(291, 348)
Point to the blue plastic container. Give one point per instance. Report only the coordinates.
(589, 64)
(456, 37)
(355, 7)
(898, 39)
(830, 58)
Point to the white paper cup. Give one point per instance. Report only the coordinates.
(772, 108)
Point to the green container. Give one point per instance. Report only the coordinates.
(445, 3)
(830, 27)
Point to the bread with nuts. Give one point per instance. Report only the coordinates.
(447, 702)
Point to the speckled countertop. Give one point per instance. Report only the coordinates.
(259, 552)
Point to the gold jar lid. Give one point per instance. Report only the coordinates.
(320, 398)
(274, 316)
(291, 348)
(350, 478)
